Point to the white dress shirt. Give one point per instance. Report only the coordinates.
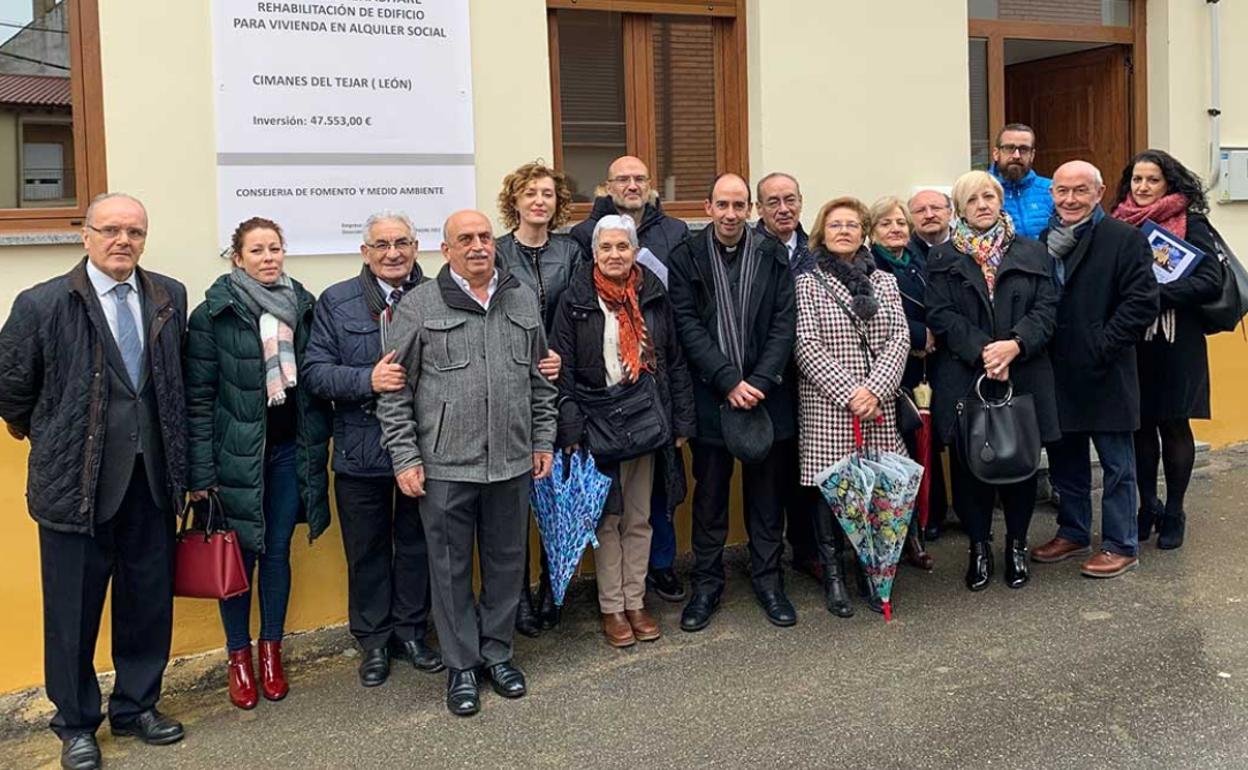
(103, 284)
(462, 283)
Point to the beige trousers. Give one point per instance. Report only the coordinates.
(623, 553)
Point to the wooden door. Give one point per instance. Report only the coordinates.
(1080, 106)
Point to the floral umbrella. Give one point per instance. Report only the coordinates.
(568, 504)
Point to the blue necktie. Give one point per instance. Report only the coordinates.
(128, 334)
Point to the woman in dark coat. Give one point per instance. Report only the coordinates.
(257, 439)
(1173, 358)
(889, 227)
(992, 305)
(534, 202)
(614, 326)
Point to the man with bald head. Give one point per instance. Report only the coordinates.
(931, 211)
(736, 315)
(472, 426)
(91, 375)
(1109, 297)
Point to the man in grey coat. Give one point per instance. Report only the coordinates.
(474, 423)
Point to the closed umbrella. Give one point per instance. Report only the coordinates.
(568, 504)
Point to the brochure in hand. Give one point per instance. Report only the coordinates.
(1173, 257)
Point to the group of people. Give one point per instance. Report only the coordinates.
(447, 396)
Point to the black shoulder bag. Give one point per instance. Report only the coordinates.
(624, 421)
(1224, 313)
(908, 418)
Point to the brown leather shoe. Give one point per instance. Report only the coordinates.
(645, 629)
(1057, 549)
(617, 629)
(1108, 565)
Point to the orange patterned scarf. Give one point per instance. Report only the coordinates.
(636, 351)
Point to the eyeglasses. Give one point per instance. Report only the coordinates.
(625, 179)
(850, 226)
(772, 204)
(402, 244)
(1082, 191)
(1012, 149)
(111, 232)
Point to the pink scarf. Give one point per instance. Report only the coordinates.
(1169, 211)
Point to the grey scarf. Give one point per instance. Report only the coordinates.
(730, 310)
(277, 299)
(276, 309)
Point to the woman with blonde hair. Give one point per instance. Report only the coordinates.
(992, 306)
(534, 202)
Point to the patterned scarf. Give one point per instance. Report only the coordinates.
(987, 247)
(276, 307)
(636, 349)
(1169, 211)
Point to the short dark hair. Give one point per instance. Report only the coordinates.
(1179, 179)
(1015, 127)
(710, 191)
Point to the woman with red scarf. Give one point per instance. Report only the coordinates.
(613, 328)
(1173, 359)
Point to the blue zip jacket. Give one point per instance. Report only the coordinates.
(1027, 201)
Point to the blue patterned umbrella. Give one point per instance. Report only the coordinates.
(569, 504)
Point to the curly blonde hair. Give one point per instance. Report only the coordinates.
(514, 184)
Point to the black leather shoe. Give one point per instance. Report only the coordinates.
(80, 752)
(933, 531)
(151, 727)
(697, 613)
(1017, 573)
(463, 696)
(667, 584)
(875, 603)
(979, 566)
(420, 654)
(375, 668)
(526, 621)
(507, 680)
(777, 607)
(548, 613)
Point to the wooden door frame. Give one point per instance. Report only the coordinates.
(1135, 37)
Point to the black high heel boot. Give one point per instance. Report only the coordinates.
(1017, 573)
(830, 543)
(526, 621)
(1149, 516)
(548, 613)
(1171, 531)
(979, 567)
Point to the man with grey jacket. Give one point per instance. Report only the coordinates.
(474, 423)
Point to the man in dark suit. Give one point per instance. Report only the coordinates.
(736, 314)
(91, 373)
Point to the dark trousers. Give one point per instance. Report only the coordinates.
(975, 501)
(135, 549)
(387, 560)
(281, 512)
(495, 516)
(800, 505)
(1070, 467)
(761, 487)
(662, 527)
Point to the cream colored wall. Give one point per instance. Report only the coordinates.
(10, 152)
(862, 99)
(1179, 94)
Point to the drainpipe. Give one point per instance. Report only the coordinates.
(1215, 102)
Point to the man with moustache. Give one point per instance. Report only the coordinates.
(1108, 299)
(387, 560)
(471, 428)
(736, 314)
(780, 216)
(91, 374)
(1027, 198)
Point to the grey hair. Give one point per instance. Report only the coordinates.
(386, 215)
(110, 196)
(948, 199)
(777, 175)
(617, 222)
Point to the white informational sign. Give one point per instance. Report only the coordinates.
(329, 111)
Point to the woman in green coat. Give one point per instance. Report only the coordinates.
(257, 440)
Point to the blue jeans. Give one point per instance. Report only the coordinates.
(1070, 468)
(281, 509)
(662, 530)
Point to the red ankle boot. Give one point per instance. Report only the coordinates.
(242, 679)
(272, 678)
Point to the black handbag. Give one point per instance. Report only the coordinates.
(1224, 313)
(998, 441)
(624, 421)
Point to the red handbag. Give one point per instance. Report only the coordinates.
(208, 562)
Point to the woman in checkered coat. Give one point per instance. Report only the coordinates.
(842, 303)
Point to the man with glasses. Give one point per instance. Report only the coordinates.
(1027, 198)
(628, 192)
(91, 374)
(387, 561)
(931, 211)
(1109, 298)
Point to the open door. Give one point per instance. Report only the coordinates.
(1080, 106)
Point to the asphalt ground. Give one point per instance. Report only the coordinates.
(1147, 670)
